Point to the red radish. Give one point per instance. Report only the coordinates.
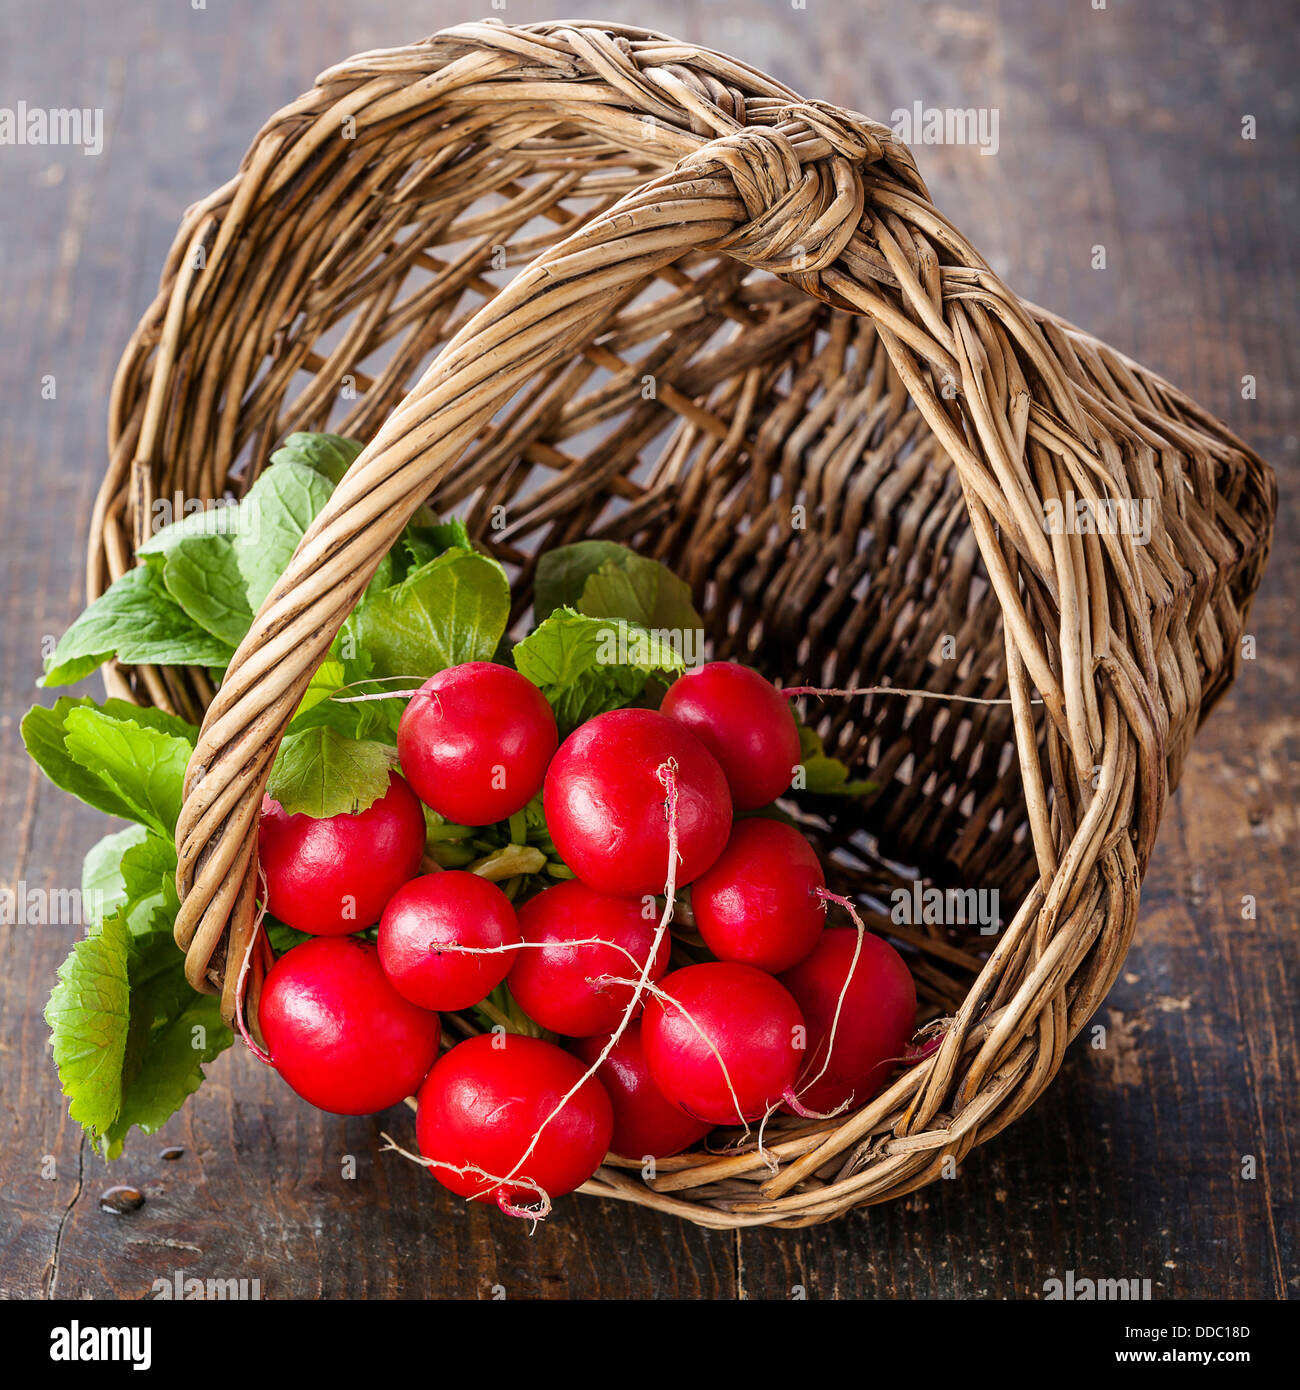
(875, 1022)
(484, 1102)
(334, 876)
(759, 904)
(746, 724)
(606, 802)
(475, 742)
(646, 1123)
(561, 984)
(339, 1033)
(705, 1018)
(443, 909)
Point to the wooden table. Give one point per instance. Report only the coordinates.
(1120, 128)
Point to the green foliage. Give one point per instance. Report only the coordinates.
(321, 772)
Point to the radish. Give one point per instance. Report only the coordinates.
(759, 902)
(875, 1022)
(489, 1098)
(723, 1041)
(746, 724)
(606, 802)
(339, 1033)
(334, 876)
(580, 939)
(474, 742)
(646, 1123)
(448, 908)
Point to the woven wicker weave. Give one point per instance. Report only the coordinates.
(744, 342)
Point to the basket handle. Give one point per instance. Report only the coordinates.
(830, 202)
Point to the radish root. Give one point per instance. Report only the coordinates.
(244, 966)
(458, 949)
(667, 775)
(793, 692)
(828, 897)
(536, 1213)
(667, 998)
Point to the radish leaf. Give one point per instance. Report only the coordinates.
(321, 772)
(451, 610)
(202, 575)
(824, 775)
(562, 573)
(279, 508)
(586, 666)
(142, 767)
(44, 732)
(642, 591)
(103, 888)
(140, 623)
(88, 1013)
(330, 455)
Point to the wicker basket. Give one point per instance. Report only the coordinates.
(746, 343)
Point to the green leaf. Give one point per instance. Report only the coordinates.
(602, 690)
(142, 767)
(585, 666)
(44, 732)
(146, 863)
(421, 543)
(202, 575)
(642, 591)
(568, 645)
(329, 675)
(322, 772)
(147, 718)
(284, 938)
(138, 621)
(378, 719)
(424, 539)
(356, 719)
(451, 610)
(330, 455)
(604, 580)
(103, 889)
(279, 508)
(824, 775)
(172, 1032)
(130, 1036)
(367, 719)
(385, 575)
(88, 1013)
(220, 519)
(562, 573)
(149, 875)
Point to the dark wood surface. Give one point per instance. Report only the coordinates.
(1118, 127)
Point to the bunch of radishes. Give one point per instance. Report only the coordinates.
(639, 804)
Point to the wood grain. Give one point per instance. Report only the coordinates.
(1118, 128)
